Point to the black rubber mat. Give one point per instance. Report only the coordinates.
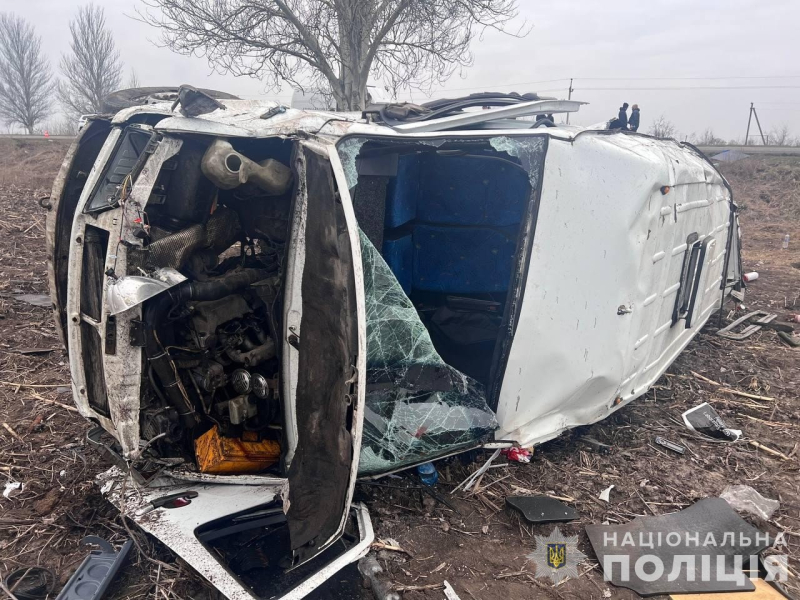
(684, 540)
(542, 509)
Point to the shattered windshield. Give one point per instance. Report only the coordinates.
(417, 406)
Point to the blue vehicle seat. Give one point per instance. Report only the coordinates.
(452, 222)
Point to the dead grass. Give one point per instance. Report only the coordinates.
(31, 163)
(482, 551)
(766, 188)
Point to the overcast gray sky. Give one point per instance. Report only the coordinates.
(630, 46)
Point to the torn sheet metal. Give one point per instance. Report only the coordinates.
(467, 118)
(177, 527)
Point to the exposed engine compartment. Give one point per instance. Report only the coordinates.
(210, 391)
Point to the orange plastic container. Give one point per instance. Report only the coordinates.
(228, 456)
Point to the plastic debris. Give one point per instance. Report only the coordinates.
(751, 276)
(12, 489)
(704, 419)
(449, 592)
(752, 323)
(515, 454)
(605, 495)
(469, 481)
(746, 499)
(670, 445)
(542, 509)
(428, 474)
(97, 571)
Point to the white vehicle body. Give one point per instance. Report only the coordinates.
(626, 246)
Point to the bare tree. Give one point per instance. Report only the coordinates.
(707, 138)
(663, 128)
(62, 126)
(93, 68)
(26, 83)
(133, 80)
(779, 136)
(331, 44)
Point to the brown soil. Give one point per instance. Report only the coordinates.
(481, 552)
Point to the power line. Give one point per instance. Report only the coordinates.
(578, 80)
(507, 85)
(688, 78)
(694, 87)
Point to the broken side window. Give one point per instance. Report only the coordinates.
(688, 277)
(417, 406)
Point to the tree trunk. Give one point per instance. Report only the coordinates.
(353, 96)
(353, 37)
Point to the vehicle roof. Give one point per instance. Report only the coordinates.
(265, 118)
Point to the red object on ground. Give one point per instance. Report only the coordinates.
(517, 454)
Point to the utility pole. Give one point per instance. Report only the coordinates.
(569, 96)
(755, 114)
(749, 119)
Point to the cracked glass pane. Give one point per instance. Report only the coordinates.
(417, 406)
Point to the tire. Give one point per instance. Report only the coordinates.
(120, 99)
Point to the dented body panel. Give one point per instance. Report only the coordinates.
(621, 252)
(597, 313)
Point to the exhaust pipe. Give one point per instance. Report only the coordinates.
(228, 169)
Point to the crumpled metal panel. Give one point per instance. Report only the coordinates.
(595, 329)
(417, 406)
(176, 528)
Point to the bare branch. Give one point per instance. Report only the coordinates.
(663, 128)
(93, 68)
(133, 80)
(779, 136)
(26, 83)
(334, 44)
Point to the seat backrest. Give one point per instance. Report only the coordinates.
(463, 260)
(472, 190)
(452, 222)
